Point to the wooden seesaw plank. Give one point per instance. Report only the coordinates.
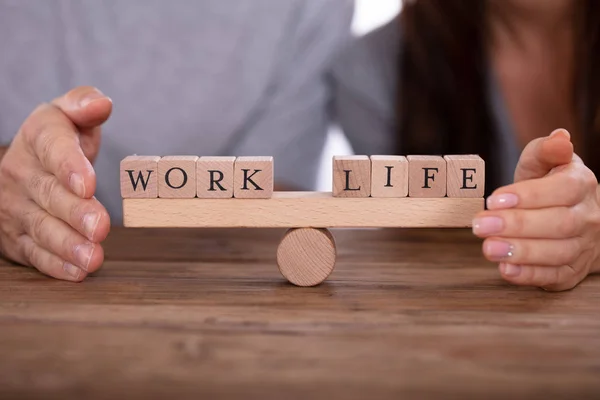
(302, 209)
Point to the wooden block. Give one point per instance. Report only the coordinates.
(351, 176)
(306, 256)
(177, 177)
(426, 176)
(389, 176)
(253, 178)
(465, 176)
(302, 210)
(139, 177)
(214, 177)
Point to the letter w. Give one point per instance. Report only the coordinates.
(140, 177)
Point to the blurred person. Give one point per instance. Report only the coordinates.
(206, 77)
(495, 78)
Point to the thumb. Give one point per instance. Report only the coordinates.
(541, 155)
(88, 108)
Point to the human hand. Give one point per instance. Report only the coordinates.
(49, 218)
(544, 229)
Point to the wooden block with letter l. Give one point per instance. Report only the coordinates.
(139, 177)
(177, 177)
(351, 176)
(465, 176)
(389, 176)
(426, 176)
(253, 178)
(214, 177)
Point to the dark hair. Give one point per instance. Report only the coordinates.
(444, 104)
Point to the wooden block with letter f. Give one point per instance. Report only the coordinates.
(351, 176)
(426, 176)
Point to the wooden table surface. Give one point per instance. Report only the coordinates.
(205, 314)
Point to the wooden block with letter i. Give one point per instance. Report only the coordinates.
(389, 176)
(253, 178)
(214, 177)
(465, 176)
(351, 176)
(177, 177)
(139, 177)
(426, 176)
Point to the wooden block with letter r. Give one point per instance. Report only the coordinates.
(253, 178)
(466, 175)
(426, 176)
(389, 176)
(139, 177)
(177, 177)
(214, 177)
(351, 176)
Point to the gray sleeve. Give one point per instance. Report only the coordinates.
(365, 88)
(292, 119)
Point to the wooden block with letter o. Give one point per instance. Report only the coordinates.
(214, 177)
(465, 176)
(177, 177)
(351, 176)
(426, 176)
(253, 178)
(139, 177)
(389, 176)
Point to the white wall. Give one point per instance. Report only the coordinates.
(369, 14)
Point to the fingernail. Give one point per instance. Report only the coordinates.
(498, 250)
(72, 270)
(83, 253)
(487, 226)
(502, 201)
(90, 97)
(561, 132)
(77, 185)
(90, 222)
(511, 270)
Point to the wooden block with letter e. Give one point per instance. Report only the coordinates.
(139, 177)
(389, 176)
(465, 176)
(253, 178)
(351, 176)
(426, 176)
(177, 177)
(214, 177)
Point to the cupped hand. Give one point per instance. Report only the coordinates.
(544, 229)
(49, 218)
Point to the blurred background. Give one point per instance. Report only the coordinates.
(369, 14)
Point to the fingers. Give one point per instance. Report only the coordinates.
(545, 223)
(541, 155)
(86, 216)
(48, 263)
(546, 252)
(549, 278)
(52, 139)
(86, 106)
(567, 188)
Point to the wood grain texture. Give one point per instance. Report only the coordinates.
(191, 314)
(214, 177)
(139, 177)
(465, 175)
(389, 176)
(253, 178)
(306, 256)
(301, 210)
(351, 176)
(177, 177)
(426, 176)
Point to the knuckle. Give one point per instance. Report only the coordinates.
(48, 189)
(568, 225)
(517, 221)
